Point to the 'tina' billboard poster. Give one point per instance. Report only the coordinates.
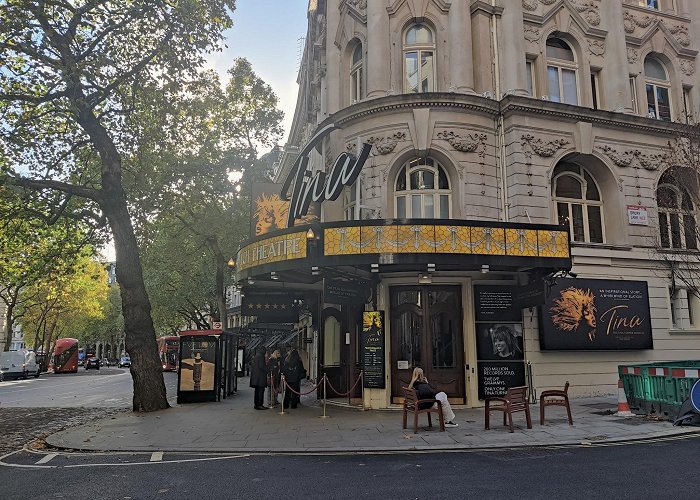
(596, 315)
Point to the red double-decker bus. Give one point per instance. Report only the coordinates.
(65, 356)
(168, 350)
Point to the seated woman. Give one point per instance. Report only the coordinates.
(424, 391)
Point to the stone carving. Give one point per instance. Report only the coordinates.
(358, 4)
(386, 144)
(530, 5)
(687, 67)
(680, 33)
(589, 10)
(542, 148)
(532, 34)
(596, 47)
(631, 22)
(468, 144)
(632, 56)
(635, 158)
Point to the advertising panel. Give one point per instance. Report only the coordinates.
(197, 364)
(373, 349)
(596, 315)
(499, 340)
(269, 212)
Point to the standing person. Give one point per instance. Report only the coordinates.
(424, 391)
(274, 370)
(258, 378)
(293, 371)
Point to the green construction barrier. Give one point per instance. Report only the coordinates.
(658, 388)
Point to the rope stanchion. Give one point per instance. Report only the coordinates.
(325, 382)
(362, 376)
(283, 383)
(350, 390)
(285, 386)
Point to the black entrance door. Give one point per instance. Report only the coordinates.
(426, 331)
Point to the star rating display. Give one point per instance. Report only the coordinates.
(268, 306)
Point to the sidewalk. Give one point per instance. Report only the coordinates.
(233, 426)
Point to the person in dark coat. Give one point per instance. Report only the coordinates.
(258, 378)
(294, 372)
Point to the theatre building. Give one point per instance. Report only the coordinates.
(487, 190)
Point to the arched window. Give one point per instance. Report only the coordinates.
(419, 59)
(422, 191)
(357, 92)
(677, 227)
(578, 203)
(658, 88)
(561, 72)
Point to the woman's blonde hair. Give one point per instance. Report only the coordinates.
(277, 354)
(417, 375)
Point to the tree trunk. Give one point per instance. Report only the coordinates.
(140, 342)
(220, 272)
(9, 324)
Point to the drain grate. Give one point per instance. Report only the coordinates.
(599, 406)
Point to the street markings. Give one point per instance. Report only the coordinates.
(157, 456)
(47, 458)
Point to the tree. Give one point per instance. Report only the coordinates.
(31, 253)
(205, 132)
(66, 304)
(72, 73)
(678, 201)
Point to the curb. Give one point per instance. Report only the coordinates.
(681, 434)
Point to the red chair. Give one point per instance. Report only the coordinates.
(556, 397)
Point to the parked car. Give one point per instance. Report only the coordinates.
(92, 363)
(124, 362)
(18, 364)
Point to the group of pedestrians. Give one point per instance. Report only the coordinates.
(266, 372)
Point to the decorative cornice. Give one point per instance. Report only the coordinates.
(678, 31)
(544, 149)
(589, 10)
(384, 145)
(531, 5)
(466, 144)
(635, 158)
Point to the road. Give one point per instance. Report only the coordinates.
(33, 408)
(104, 388)
(661, 470)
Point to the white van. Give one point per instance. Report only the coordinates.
(16, 364)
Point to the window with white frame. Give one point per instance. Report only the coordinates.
(530, 70)
(357, 91)
(693, 310)
(595, 88)
(419, 59)
(633, 93)
(561, 72)
(661, 5)
(658, 89)
(677, 225)
(352, 199)
(422, 191)
(578, 203)
(649, 4)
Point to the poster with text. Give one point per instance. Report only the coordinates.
(197, 364)
(373, 349)
(596, 315)
(269, 212)
(499, 340)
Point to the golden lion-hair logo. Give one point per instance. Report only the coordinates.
(271, 213)
(573, 306)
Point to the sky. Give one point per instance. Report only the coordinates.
(268, 33)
